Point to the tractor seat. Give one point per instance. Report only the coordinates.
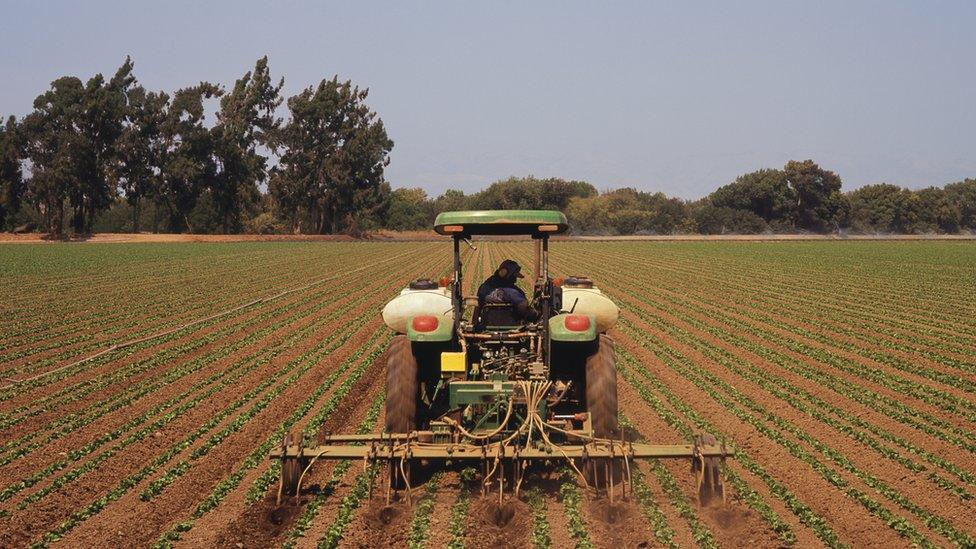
(498, 315)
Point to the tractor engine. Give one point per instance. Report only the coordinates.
(502, 360)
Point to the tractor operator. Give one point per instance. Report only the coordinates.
(500, 287)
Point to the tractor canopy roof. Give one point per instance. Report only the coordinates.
(501, 222)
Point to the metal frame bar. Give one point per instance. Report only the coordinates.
(462, 451)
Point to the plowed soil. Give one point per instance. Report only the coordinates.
(842, 373)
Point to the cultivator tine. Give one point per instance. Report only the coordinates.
(484, 469)
(517, 472)
(369, 458)
(391, 474)
(281, 474)
(301, 451)
(501, 481)
(628, 480)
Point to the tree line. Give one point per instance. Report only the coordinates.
(92, 150)
(801, 197)
(108, 155)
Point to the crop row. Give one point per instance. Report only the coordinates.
(58, 328)
(880, 376)
(541, 538)
(815, 294)
(849, 303)
(787, 392)
(311, 302)
(163, 357)
(303, 362)
(756, 374)
(572, 499)
(123, 353)
(138, 367)
(201, 290)
(757, 415)
(79, 453)
(457, 524)
(874, 335)
(629, 368)
(93, 464)
(663, 532)
(98, 332)
(132, 284)
(157, 486)
(311, 508)
(259, 455)
(944, 398)
(420, 525)
(72, 422)
(893, 408)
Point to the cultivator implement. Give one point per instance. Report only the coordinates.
(504, 455)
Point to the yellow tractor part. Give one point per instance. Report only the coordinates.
(453, 362)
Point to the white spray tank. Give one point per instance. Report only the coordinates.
(589, 300)
(420, 297)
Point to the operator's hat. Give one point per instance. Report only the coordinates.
(509, 267)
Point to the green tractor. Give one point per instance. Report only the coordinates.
(484, 383)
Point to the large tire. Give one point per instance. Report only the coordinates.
(601, 403)
(402, 394)
(601, 390)
(402, 386)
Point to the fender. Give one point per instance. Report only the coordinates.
(578, 329)
(443, 332)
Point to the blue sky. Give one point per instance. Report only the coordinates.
(677, 97)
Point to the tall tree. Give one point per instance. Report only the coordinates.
(72, 136)
(187, 154)
(335, 150)
(11, 171)
(141, 148)
(58, 152)
(101, 121)
(246, 120)
(820, 204)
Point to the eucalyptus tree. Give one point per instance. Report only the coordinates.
(245, 122)
(11, 171)
(141, 148)
(187, 160)
(334, 152)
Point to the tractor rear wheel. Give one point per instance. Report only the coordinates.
(601, 390)
(402, 391)
(601, 403)
(401, 386)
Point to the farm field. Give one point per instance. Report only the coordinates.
(843, 373)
